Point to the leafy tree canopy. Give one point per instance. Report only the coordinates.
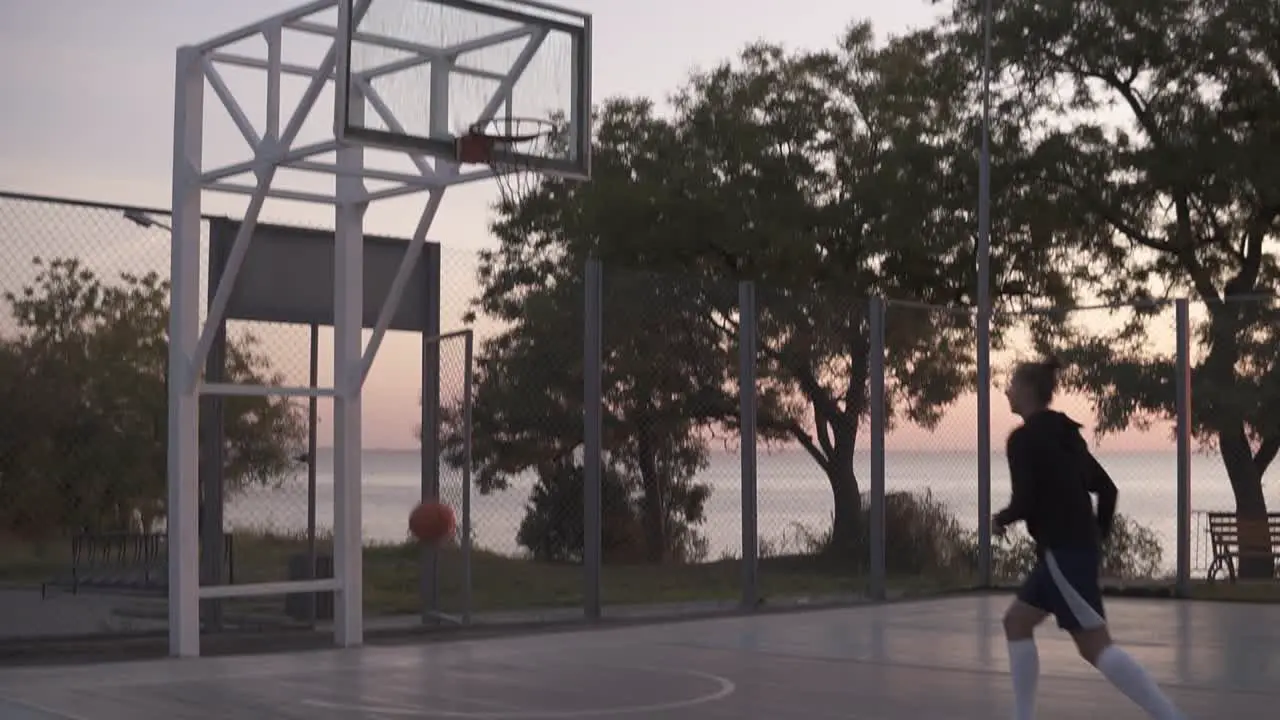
(1156, 125)
(85, 409)
(825, 176)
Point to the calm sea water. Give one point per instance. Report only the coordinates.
(792, 491)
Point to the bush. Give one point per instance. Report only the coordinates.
(552, 528)
(1132, 552)
(923, 537)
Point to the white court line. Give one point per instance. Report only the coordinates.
(724, 688)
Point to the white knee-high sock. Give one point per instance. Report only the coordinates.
(1129, 678)
(1024, 666)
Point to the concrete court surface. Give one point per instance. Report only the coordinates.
(939, 659)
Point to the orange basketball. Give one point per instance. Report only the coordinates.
(432, 522)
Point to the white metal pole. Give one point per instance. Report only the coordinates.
(984, 312)
(184, 333)
(348, 306)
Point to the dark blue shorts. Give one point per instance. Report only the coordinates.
(1064, 583)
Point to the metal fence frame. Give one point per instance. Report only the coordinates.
(877, 581)
(157, 220)
(429, 573)
(1187, 548)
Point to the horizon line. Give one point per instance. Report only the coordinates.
(764, 451)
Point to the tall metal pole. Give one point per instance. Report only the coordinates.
(1182, 388)
(467, 400)
(313, 419)
(429, 558)
(878, 562)
(212, 437)
(592, 433)
(984, 311)
(747, 406)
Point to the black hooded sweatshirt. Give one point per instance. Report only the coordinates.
(1053, 474)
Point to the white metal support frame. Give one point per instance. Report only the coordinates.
(184, 327)
(348, 304)
(278, 147)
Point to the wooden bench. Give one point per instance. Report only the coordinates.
(1225, 542)
(124, 562)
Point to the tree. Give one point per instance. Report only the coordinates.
(666, 371)
(1157, 125)
(85, 406)
(826, 177)
(829, 177)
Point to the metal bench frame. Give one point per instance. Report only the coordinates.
(124, 562)
(1224, 540)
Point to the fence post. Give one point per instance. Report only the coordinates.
(985, 573)
(313, 423)
(592, 455)
(1182, 383)
(876, 510)
(467, 400)
(747, 424)
(213, 428)
(984, 311)
(429, 409)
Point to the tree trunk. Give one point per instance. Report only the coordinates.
(1256, 559)
(654, 510)
(846, 528)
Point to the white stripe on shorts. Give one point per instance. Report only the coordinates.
(1084, 613)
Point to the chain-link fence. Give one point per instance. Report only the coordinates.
(812, 346)
(527, 499)
(83, 357)
(82, 461)
(449, 569)
(82, 387)
(931, 511)
(1118, 379)
(273, 527)
(521, 392)
(670, 498)
(267, 512)
(398, 470)
(82, 451)
(1235, 388)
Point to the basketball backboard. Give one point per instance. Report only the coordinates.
(417, 74)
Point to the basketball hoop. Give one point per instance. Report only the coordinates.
(507, 145)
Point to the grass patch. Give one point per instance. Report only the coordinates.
(511, 583)
(504, 583)
(26, 562)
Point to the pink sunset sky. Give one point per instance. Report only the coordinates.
(96, 123)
